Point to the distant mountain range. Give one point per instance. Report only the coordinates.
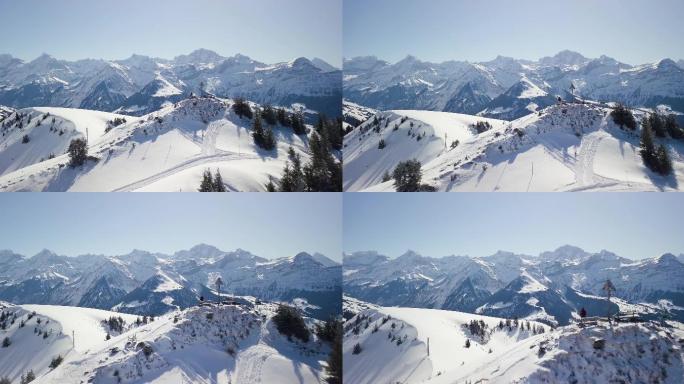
(550, 287)
(142, 282)
(141, 84)
(508, 88)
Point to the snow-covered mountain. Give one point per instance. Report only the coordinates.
(140, 84)
(568, 146)
(355, 115)
(205, 344)
(551, 287)
(411, 345)
(146, 283)
(167, 150)
(494, 88)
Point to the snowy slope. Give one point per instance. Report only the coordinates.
(167, 150)
(637, 353)
(422, 135)
(49, 131)
(355, 114)
(236, 343)
(564, 147)
(30, 350)
(384, 359)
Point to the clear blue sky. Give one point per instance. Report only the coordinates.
(266, 30)
(632, 31)
(267, 224)
(633, 225)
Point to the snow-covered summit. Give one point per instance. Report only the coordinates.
(167, 150)
(485, 87)
(572, 146)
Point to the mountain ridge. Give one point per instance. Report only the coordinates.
(550, 287)
(154, 283)
(117, 85)
(471, 87)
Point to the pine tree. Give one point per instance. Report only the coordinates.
(217, 185)
(334, 367)
(673, 128)
(269, 115)
(657, 125)
(242, 108)
(283, 118)
(6, 342)
(293, 177)
(467, 343)
(270, 187)
(623, 117)
(647, 150)
(269, 139)
(263, 138)
(357, 349)
(28, 377)
(78, 152)
(664, 162)
(407, 176)
(207, 184)
(297, 122)
(286, 183)
(381, 144)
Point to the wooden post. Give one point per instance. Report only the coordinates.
(428, 346)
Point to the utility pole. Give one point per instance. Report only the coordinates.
(219, 282)
(428, 346)
(609, 288)
(73, 339)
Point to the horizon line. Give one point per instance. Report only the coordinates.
(410, 55)
(26, 61)
(348, 253)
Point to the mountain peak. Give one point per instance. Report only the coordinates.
(668, 259)
(302, 62)
(410, 255)
(667, 64)
(302, 257)
(408, 60)
(44, 253)
(197, 56)
(201, 247)
(565, 57)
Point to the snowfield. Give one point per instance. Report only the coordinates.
(167, 150)
(564, 147)
(634, 353)
(209, 344)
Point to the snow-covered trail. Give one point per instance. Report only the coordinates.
(193, 162)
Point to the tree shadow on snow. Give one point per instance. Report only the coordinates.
(66, 176)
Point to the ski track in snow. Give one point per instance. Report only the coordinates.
(193, 162)
(584, 168)
(251, 362)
